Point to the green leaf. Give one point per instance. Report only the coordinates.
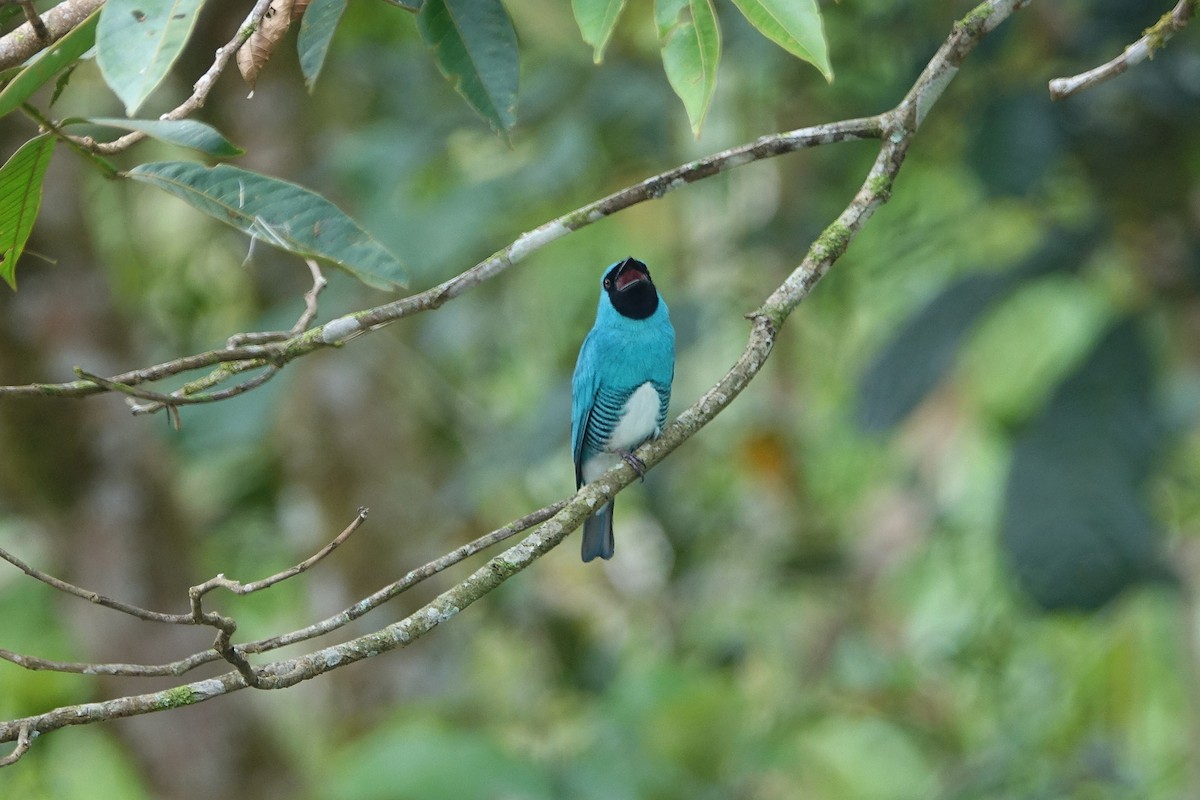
(183, 132)
(794, 25)
(138, 41)
(316, 31)
(61, 84)
(1076, 529)
(436, 761)
(476, 49)
(63, 52)
(8, 13)
(690, 41)
(596, 19)
(280, 213)
(20, 198)
(924, 347)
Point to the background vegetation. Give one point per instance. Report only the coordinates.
(839, 590)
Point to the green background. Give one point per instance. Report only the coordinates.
(836, 590)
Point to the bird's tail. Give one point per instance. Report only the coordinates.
(598, 534)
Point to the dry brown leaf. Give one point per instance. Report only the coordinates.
(253, 55)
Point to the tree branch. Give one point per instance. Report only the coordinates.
(236, 359)
(896, 129)
(24, 739)
(327, 625)
(24, 42)
(1154, 39)
(237, 587)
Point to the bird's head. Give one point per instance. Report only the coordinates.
(630, 289)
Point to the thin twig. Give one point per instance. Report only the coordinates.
(35, 21)
(24, 740)
(1154, 39)
(221, 582)
(196, 615)
(184, 396)
(327, 625)
(124, 388)
(310, 298)
(194, 391)
(305, 319)
(94, 597)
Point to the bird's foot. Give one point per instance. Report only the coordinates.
(635, 463)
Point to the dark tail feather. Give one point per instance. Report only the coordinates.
(598, 534)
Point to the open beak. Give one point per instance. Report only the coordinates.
(630, 275)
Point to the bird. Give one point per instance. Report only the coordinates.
(621, 386)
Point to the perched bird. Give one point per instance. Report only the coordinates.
(621, 387)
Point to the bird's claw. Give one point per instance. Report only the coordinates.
(635, 463)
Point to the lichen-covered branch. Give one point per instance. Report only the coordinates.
(895, 128)
(1153, 39)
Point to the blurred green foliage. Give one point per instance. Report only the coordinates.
(801, 605)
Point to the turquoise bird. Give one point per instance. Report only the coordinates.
(622, 386)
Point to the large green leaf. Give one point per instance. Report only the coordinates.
(1076, 530)
(60, 54)
(690, 40)
(476, 49)
(924, 348)
(278, 213)
(20, 198)
(596, 19)
(316, 31)
(183, 132)
(138, 41)
(794, 25)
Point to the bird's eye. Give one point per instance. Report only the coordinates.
(608, 283)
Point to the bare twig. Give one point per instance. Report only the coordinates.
(188, 394)
(93, 597)
(35, 21)
(305, 319)
(238, 588)
(180, 397)
(226, 626)
(327, 625)
(24, 740)
(896, 129)
(193, 391)
(1154, 38)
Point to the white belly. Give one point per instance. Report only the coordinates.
(639, 419)
(639, 422)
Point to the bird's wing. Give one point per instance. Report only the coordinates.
(664, 375)
(583, 397)
(664, 401)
